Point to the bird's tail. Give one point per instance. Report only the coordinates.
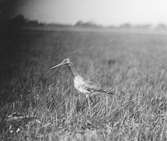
(109, 92)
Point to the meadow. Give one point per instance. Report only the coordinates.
(133, 64)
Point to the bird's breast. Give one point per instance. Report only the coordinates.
(79, 84)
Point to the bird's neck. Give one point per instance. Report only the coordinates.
(73, 70)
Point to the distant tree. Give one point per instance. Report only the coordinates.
(33, 23)
(15, 24)
(86, 24)
(79, 23)
(21, 20)
(126, 25)
(161, 26)
(18, 20)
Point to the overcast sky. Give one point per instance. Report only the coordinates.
(106, 12)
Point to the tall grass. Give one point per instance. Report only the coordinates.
(133, 64)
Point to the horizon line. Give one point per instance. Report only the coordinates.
(90, 22)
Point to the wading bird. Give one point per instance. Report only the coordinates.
(81, 85)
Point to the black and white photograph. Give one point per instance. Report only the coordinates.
(83, 70)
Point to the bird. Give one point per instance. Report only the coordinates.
(83, 86)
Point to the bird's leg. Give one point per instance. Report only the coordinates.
(88, 99)
(106, 98)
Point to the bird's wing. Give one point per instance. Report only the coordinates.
(92, 88)
(90, 84)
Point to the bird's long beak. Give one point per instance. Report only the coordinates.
(58, 65)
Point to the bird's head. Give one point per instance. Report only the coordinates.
(64, 62)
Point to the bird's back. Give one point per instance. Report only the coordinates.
(86, 87)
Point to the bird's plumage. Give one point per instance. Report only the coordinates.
(87, 87)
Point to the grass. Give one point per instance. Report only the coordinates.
(134, 64)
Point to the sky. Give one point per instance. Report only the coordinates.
(105, 12)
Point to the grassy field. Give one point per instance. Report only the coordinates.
(133, 64)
